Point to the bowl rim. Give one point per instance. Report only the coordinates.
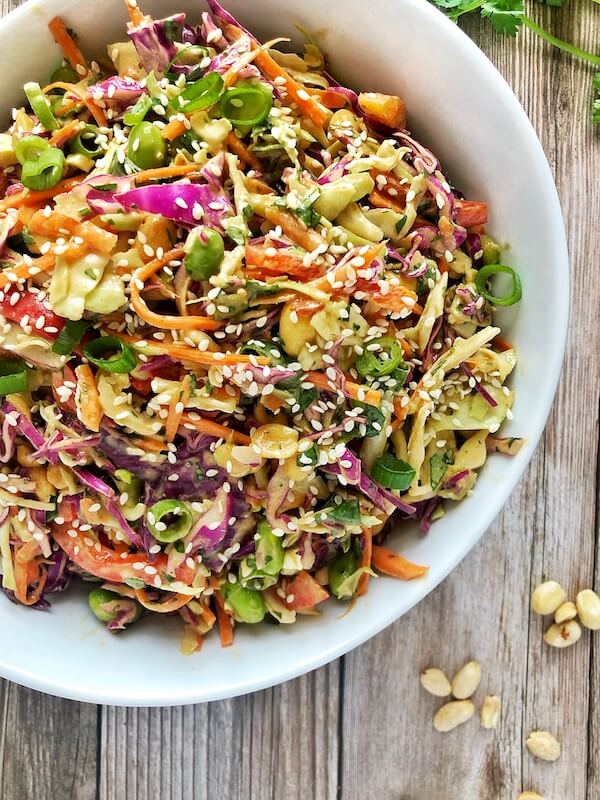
(174, 696)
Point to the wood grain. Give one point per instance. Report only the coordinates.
(230, 749)
(360, 728)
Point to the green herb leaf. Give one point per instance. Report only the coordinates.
(401, 223)
(306, 211)
(505, 15)
(438, 464)
(346, 513)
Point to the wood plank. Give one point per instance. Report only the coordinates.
(482, 609)
(228, 749)
(47, 746)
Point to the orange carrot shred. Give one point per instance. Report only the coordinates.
(165, 320)
(394, 564)
(174, 129)
(176, 410)
(241, 151)
(32, 198)
(162, 173)
(62, 136)
(213, 428)
(23, 271)
(65, 41)
(223, 621)
(135, 15)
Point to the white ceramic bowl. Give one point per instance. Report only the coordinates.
(461, 107)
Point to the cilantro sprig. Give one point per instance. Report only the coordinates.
(509, 16)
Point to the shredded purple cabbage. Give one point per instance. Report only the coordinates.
(186, 203)
(117, 93)
(155, 42)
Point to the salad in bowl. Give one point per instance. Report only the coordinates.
(246, 322)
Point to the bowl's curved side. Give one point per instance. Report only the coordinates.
(471, 118)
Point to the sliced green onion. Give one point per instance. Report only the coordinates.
(41, 106)
(178, 525)
(393, 473)
(70, 336)
(197, 51)
(381, 362)
(201, 94)
(13, 376)
(246, 106)
(138, 112)
(123, 360)
(45, 171)
(487, 272)
(84, 143)
(206, 254)
(29, 148)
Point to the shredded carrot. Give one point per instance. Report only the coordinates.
(161, 173)
(353, 390)
(394, 564)
(213, 428)
(89, 406)
(365, 560)
(272, 402)
(57, 224)
(31, 198)
(182, 352)
(297, 231)
(261, 265)
(65, 41)
(165, 320)
(327, 98)
(378, 199)
(83, 97)
(502, 344)
(397, 298)
(60, 137)
(25, 213)
(400, 413)
(257, 186)
(28, 572)
(66, 108)
(174, 129)
(152, 444)
(235, 144)
(223, 621)
(24, 271)
(135, 15)
(310, 107)
(176, 410)
(172, 603)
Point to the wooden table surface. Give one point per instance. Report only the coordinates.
(361, 727)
